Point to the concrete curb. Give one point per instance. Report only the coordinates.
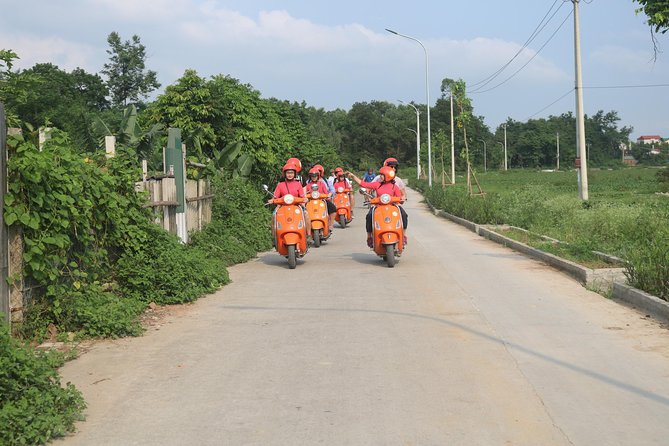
(600, 279)
(642, 300)
(603, 280)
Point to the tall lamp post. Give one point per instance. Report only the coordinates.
(417, 132)
(485, 156)
(427, 98)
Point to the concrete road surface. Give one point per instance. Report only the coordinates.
(464, 342)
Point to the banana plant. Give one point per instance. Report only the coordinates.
(230, 159)
(129, 133)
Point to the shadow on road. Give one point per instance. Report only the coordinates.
(664, 400)
(367, 259)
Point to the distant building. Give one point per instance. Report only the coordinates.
(649, 139)
(629, 160)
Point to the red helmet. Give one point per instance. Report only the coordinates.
(290, 166)
(320, 169)
(296, 162)
(339, 171)
(314, 171)
(387, 172)
(391, 162)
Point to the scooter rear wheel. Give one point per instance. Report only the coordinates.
(390, 255)
(342, 220)
(292, 259)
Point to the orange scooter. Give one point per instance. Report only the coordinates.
(318, 213)
(289, 229)
(342, 201)
(387, 228)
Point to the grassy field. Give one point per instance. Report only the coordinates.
(625, 216)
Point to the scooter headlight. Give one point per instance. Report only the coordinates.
(315, 195)
(385, 198)
(288, 199)
(340, 189)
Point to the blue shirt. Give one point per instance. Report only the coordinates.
(369, 177)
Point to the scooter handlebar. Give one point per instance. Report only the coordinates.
(377, 200)
(296, 200)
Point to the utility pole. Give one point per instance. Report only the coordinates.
(452, 143)
(558, 151)
(580, 119)
(506, 167)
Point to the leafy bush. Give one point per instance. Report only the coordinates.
(663, 178)
(34, 408)
(167, 272)
(240, 224)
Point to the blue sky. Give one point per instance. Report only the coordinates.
(333, 54)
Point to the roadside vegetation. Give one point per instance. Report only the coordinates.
(625, 216)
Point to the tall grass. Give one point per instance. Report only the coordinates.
(624, 215)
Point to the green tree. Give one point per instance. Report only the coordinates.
(127, 78)
(657, 12)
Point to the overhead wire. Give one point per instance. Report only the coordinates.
(540, 27)
(596, 87)
(552, 103)
(530, 60)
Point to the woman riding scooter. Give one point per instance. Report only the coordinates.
(290, 185)
(386, 186)
(322, 188)
(340, 181)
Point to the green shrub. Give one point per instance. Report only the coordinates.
(167, 272)
(34, 408)
(240, 225)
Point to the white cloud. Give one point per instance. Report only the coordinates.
(142, 10)
(66, 54)
(623, 59)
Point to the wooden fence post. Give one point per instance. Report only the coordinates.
(4, 242)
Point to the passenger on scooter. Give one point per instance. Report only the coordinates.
(392, 162)
(388, 186)
(370, 175)
(290, 185)
(322, 188)
(343, 182)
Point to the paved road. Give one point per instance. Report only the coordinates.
(464, 342)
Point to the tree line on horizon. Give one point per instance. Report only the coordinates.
(216, 112)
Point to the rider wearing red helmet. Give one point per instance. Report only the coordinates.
(392, 162)
(386, 185)
(290, 185)
(321, 185)
(341, 182)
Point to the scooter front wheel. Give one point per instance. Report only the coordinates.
(292, 257)
(317, 237)
(390, 255)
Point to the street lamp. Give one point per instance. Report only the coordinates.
(417, 132)
(427, 98)
(485, 158)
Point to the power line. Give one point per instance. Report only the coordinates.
(598, 87)
(552, 103)
(530, 60)
(529, 40)
(629, 86)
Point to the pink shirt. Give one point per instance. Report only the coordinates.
(322, 187)
(293, 187)
(343, 183)
(390, 188)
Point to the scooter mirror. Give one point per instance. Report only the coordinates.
(265, 187)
